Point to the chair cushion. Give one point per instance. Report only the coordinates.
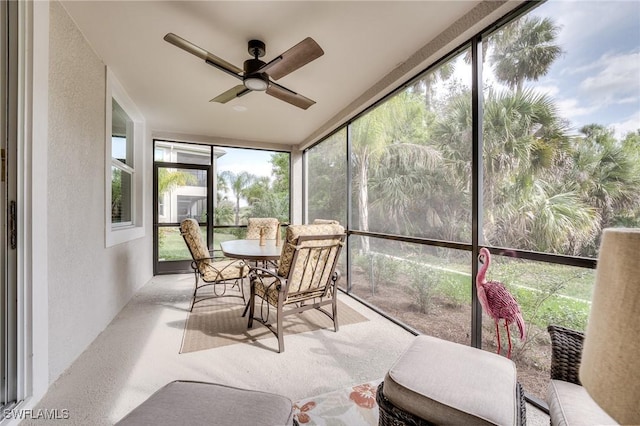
(570, 404)
(193, 238)
(267, 288)
(448, 383)
(223, 270)
(291, 240)
(198, 403)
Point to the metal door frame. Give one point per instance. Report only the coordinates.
(179, 266)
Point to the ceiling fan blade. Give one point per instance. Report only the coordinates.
(289, 96)
(231, 94)
(299, 55)
(203, 54)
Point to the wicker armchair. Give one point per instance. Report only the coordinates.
(212, 271)
(566, 351)
(569, 403)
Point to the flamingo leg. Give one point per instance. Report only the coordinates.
(498, 334)
(506, 325)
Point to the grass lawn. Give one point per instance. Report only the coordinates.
(172, 246)
(547, 293)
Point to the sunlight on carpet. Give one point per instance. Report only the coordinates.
(219, 323)
(351, 406)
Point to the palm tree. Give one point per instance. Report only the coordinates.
(524, 50)
(327, 178)
(393, 132)
(522, 132)
(606, 172)
(545, 217)
(427, 83)
(223, 213)
(238, 183)
(169, 180)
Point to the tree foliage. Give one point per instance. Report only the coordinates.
(544, 189)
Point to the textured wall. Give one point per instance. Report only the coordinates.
(88, 283)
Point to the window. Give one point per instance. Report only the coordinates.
(121, 166)
(124, 178)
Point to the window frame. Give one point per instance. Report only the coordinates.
(118, 233)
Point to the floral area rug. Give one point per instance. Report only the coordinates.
(352, 406)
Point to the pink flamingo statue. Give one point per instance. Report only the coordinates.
(497, 301)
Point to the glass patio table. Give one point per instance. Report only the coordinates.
(251, 250)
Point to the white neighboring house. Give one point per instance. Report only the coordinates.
(188, 201)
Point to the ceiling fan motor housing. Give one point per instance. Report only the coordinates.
(253, 79)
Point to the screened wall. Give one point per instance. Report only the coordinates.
(525, 140)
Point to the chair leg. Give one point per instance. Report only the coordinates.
(251, 306)
(279, 330)
(334, 307)
(195, 291)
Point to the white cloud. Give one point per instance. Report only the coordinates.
(630, 125)
(601, 16)
(549, 90)
(618, 78)
(572, 107)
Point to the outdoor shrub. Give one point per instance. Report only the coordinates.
(422, 283)
(455, 287)
(386, 269)
(379, 269)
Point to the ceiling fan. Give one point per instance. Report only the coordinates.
(258, 75)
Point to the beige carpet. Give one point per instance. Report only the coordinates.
(220, 323)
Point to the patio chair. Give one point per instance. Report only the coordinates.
(569, 403)
(210, 270)
(269, 224)
(305, 278)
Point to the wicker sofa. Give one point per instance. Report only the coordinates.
(569, 403)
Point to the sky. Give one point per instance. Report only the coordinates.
(239, 160)
(597, 78)
(245, 160)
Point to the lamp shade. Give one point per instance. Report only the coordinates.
(610, 366)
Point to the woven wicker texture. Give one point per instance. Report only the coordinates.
(566, 351)
(390, 415)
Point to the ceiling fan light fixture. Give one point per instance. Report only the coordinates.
(257, 82)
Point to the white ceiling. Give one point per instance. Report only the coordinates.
(363, 42)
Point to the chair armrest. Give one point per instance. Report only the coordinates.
(566, 353)
(216, 254)
(256, 272)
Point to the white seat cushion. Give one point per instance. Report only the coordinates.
(448, 383)
(570, 404)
